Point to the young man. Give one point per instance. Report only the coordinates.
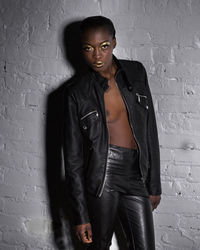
(111, 144)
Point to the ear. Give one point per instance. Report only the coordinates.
(114, 43)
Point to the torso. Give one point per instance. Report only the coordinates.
(117, 118)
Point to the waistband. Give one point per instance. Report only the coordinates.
(122, 149)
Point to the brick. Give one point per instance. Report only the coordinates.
(2, 171)
(34, 99)
(173, 123)
(162, 55)
(56, 15)
(26, 177)
(166, 86)
(29, 146)
(53, 67)
(181, 71)
(176, 104)
(8, 247)
(12, 98)
(37, 226)
(11, 222)
(1, 205)
(44, 51)
(22, 114)
(181, 141)
(23, 83)
(125, 53)
(35, 194)
(192, 90)
(187, 55)
(179, 206)
(23, 208)
(158, 38)
(186, 157)
(176, 239)
(111, 6)
(128, 21)
(194, 174)
(16, 54)
(32, 130)
(78, 7)
(40, 37)
(168, 220)
(190, 24)
(167, 188)
(14, 237)
(165, 154)
(143, 53)
(39, 19)
(178, 171)
(8, 191)
(10, 130)
(33, 66)
(12, 159)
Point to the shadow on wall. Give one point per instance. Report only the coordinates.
(62, 227)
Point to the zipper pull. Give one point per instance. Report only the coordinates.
(138, 96)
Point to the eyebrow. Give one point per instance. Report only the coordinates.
(106, 41)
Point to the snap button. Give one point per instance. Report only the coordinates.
(147, 107)
(84, 127)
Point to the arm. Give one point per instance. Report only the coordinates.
(74, 161)
(153, 180)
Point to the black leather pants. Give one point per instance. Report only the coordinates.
(133, 210)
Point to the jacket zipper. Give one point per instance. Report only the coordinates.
(132, 127)
(83, 117)
(105, 169)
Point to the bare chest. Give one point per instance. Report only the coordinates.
(114, 104)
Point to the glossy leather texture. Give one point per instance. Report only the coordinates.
(135, 217)
(123, 173)
(124, 196)
(86, 137)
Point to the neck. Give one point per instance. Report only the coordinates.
(109, 74)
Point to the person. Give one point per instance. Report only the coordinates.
(111, 144)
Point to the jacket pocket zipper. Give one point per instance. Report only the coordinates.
(139, 99)
(94, 111)
(139, 96)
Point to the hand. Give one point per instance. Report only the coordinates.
(155, 200)
(84, 232)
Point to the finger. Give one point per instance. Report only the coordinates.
(90, 234)
(85, 238)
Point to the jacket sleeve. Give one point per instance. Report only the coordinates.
(153, 178)
(74, 160)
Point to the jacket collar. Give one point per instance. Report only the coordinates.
(104, 81)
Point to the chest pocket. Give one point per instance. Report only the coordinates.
(142, 100)
(89, 123)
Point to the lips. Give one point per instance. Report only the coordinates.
(98, 64)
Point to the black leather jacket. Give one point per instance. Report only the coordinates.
(86, 134)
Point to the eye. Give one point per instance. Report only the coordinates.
(104, 46)
(87, 48)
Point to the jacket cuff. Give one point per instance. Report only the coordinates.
(154, 189)
(81, 220)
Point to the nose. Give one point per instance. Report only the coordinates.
(97, 53)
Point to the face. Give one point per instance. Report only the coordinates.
(98, 46)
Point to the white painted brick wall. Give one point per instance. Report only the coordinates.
(165, 36)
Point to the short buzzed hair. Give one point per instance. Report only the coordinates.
(94, 22)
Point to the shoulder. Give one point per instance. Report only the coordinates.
(77, 84)
(135, 70)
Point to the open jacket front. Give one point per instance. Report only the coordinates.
(86, 135)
